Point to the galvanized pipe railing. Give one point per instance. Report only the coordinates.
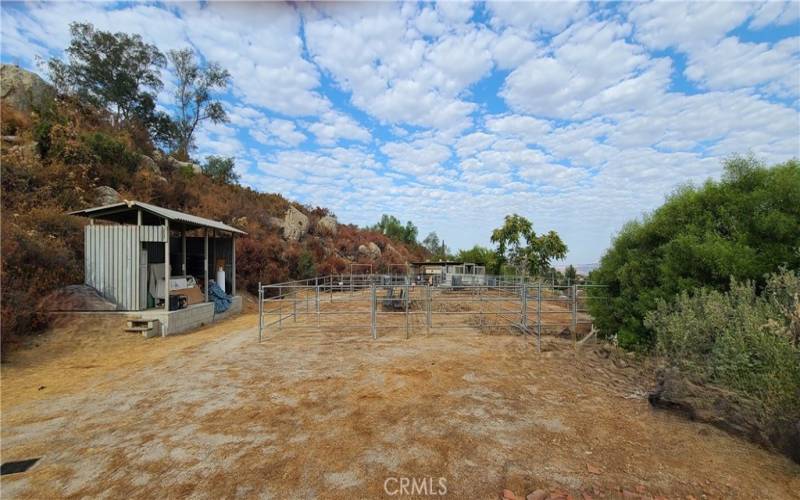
(495, 299)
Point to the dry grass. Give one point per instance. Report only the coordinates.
(321, 412)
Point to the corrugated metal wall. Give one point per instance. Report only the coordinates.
(112, 261)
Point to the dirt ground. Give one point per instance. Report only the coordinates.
(320, 413)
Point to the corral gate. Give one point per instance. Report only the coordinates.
(385, 304)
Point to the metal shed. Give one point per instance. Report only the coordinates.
(144, 244)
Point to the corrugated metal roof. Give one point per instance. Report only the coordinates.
(166, 213)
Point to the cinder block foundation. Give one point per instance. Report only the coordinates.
(192, 317)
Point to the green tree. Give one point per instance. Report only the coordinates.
(305, 266)
(438, 249)
(519, 246)
(116, 71)
(221, 170)
(744, 226)
(391, 226)
(570, 274)
(479, 255)
(194, 101)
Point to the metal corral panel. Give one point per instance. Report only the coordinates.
(112, 263)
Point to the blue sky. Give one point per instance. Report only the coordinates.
(579, 116)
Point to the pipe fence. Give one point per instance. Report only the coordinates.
(382, 305)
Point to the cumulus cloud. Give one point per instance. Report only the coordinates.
(333, 126)
(577, 115)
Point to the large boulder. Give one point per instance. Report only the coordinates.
(327, 225)
(106, 195)
(24, 90)
(177, 164)
(295, 224)
(147, 163)
(370, 250)
(76, 298)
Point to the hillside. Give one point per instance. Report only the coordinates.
(60, 155)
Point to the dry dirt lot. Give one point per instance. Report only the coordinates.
(310, 413)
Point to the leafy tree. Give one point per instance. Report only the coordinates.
(570, 274)
(479, 255)
(743, 227)
(438, 249)
(391, 226)
(518, 245)
(116, 71)
(305, 266)
(431, 243)
(220, 170)
(193, 97)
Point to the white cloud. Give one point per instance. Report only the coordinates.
(684, 24)
(549, 17)
(572, 114)
(731, 64)
(592, 69)
(775, 12)
(334, 126)
(418, 157)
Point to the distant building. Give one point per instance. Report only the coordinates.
(449, 273)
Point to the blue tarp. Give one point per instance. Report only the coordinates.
(221, 301)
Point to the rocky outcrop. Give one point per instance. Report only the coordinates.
(184, 164)
(327, 226)
(147, 163)
(370, 250)
(106, 195)
(24, 90)
(295, 224)
(726, 410)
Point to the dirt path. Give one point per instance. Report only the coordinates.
(317, 414)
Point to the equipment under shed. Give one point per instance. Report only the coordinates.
(161, 264)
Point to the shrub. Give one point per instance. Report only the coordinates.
(40, 254)
(112, 152)
(41, 133)
(739, 339)
(745, 226)
(12, 121)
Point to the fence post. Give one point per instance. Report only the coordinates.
(260, 312)
(316, 293)
(429, 308)
(480, 308)
(574, 314)
(331, 289)
(539, 316)
(524, 303)
(280, 307)
(408, 298)
(294, 305)
(373, 312)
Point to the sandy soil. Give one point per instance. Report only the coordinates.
(333, 414)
